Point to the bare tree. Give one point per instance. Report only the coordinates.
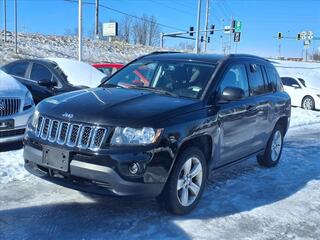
(125, 29)
(145, 31)
(186, 46)
(154, 32)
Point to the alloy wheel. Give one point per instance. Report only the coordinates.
(189, 181)
(276, 145)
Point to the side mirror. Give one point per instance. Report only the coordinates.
(231, 94)
(295, 86)
(45, 83)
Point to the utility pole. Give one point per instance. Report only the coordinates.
(16, 25)
(5, 19)
(198, 27)
(206, 25)
(97, 20)
(79, 30)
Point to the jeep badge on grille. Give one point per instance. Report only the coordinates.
(67, 115)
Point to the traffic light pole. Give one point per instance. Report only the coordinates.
(198, 27)
(206, 25)
(180, 35)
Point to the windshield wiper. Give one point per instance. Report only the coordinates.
(110, 85)
(157, 90)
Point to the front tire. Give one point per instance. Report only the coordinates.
(308, 103)
(186, 183)
(273, 151)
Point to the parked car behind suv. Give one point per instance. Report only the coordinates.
(197, 113)
(301, 94)
(108, 68)
(48, 77)
(16, 107)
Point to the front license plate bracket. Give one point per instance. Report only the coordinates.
(56, 158)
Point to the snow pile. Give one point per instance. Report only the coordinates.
(79, 73)
(309, 71)
(44, 46)
(12, 167)
(301, 117)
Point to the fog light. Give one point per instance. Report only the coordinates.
(134, 168)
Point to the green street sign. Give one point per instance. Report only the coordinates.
(237, 26)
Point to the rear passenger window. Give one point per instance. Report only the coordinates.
(274, 78)
(40, 73)
(256, 80)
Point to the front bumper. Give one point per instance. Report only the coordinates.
(89, 176)
(20, 122)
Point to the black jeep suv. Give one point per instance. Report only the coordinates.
(160, 126)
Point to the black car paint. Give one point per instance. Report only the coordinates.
(229, 131)
(58, 86)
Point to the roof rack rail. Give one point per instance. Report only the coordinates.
(247, 55)
(162, 52)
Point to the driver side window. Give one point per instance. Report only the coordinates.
(40, 73)
(236, 76)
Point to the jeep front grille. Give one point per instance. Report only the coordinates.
(9, 106)
(70, 134)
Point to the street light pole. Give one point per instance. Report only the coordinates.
(97, 20)
(198, 27)
(5, 19)
(16, 25)
(80, 30)
(206, 25)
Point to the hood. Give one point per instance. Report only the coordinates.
(10, 87)
(116, 107)
(79, 73)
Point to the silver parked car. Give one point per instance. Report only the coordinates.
(16, 107)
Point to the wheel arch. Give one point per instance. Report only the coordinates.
(203, 142)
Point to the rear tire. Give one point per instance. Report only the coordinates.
(308, 103)
(273, 151)
(186, 182)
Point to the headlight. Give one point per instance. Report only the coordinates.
(34, 119)
(135, 136)
(28, 101)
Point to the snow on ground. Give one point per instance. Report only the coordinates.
(44, 46)
(309, 71)
(244, 202)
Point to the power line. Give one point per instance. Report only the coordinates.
(129, 15)
(176, 9)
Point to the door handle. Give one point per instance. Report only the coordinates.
(251, 108)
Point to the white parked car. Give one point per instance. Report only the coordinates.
(301, 94)
(16, 107)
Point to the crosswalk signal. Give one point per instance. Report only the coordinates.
(212, 29)
(191, 30)
(299, 36)
(279, 35)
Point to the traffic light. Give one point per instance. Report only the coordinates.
(191, 29)
(212, 29)
(299, 36)
(233, 25)
(279, 35)
(208, 40)
(201, 39)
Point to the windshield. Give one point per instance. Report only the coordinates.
(184, 79)
(303, 82)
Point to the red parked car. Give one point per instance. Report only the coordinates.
(108, 68)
